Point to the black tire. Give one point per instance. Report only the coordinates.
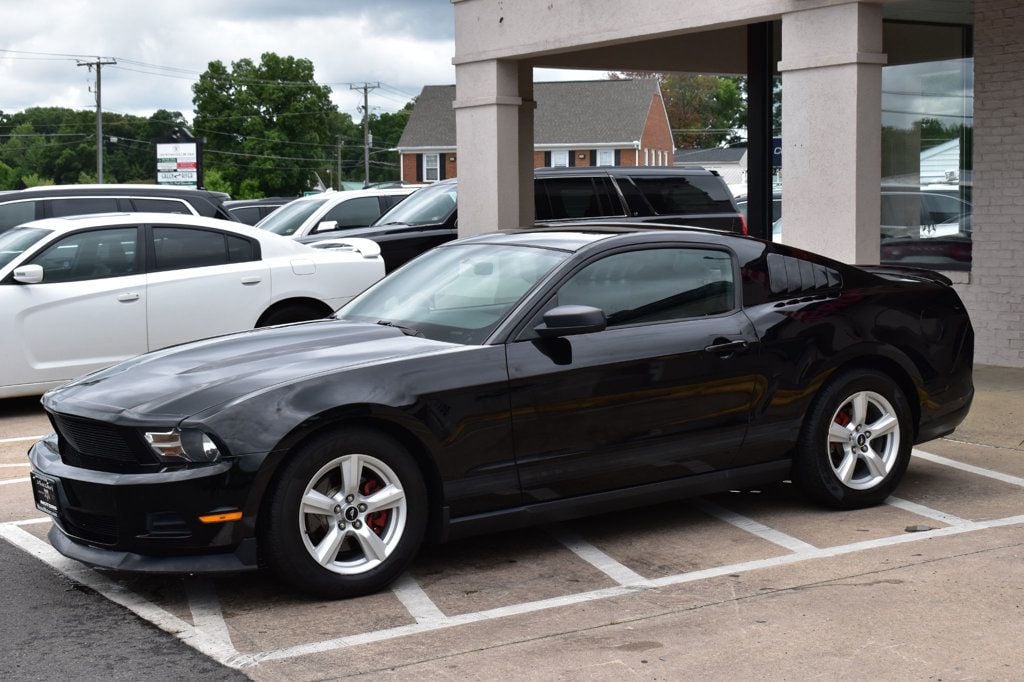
(282, 541)
(817, 462)
(293, 312)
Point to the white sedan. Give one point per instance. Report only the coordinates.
(78, 294)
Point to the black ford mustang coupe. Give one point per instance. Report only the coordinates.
(503, 380)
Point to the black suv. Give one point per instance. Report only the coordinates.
(679, 196)
(54, 201)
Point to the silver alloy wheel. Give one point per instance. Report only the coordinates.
(863, 440)
(353, 514)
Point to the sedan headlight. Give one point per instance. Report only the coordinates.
(182, 446)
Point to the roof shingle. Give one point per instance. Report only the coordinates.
(568, 112)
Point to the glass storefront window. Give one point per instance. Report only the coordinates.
(927, 123)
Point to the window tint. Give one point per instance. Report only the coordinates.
(568, 198)
(250, 215)
(653, 285)
(179, 247)
(669, 195)
(240, 250)
(82, 206)
(357, 212)
(16, 214)
(160, 206)
(94, 254)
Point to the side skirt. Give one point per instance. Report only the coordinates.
(612, 500)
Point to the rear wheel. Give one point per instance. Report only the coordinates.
(347, 515)
(856, 440)
(291, 312)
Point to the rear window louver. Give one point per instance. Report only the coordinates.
(789, 275)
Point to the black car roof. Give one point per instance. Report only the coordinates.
(623, 170)
(582, 235)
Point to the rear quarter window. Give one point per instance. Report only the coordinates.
(16, 213)
(673, 195)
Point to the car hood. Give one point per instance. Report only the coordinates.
(174, 383)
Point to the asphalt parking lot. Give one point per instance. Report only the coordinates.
(738, 585)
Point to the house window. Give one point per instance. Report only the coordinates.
(605, 157)
(431, 166)
(560, 158)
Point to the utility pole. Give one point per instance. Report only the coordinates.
(366, 87)
(99, 64)
(339, 161)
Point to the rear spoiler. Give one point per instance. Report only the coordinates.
(919, 274)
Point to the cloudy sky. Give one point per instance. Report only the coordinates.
(162, 47)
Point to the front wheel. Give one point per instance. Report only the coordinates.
(347, 515)
(856, 441)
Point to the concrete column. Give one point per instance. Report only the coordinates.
(831, 130)
(525, 113)
(487, 128)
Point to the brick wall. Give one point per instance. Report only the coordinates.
(628, 157)
(451, 165)
(995, 292)
(657, 135)
(409, 167)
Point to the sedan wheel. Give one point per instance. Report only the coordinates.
(353, 514)
(863, 440)
(856, 440)
(347, 514)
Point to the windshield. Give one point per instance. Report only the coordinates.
(424, 207)
(454, 293)
(288, 218)
(14, 242)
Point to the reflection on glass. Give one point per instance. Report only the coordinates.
(927, 121)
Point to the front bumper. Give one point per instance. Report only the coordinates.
(150, 521)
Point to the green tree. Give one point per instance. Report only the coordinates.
(269, 126)
(703, 111)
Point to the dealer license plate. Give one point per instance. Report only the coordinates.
(45, 492)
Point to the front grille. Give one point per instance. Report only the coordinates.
(91, 444)
(98, 528)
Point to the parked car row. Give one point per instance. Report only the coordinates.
(78, 294)
(673, 196)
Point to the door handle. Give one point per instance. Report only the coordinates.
(249, 281)
(726, 348)
(128, 298)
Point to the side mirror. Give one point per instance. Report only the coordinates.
(569, 320)
(327, 226)
(29, 274)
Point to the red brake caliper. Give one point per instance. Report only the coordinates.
(842, 419)
(377, 521)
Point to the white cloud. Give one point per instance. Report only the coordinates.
(404, 44)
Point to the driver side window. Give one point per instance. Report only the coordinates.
(95, 254)
(653, 285)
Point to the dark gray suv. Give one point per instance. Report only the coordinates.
(55, 201)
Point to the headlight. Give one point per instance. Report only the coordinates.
(179, 446)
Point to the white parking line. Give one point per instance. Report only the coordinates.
(970, 468)
(214, 648)
(927, 512)
(618, 572)
(23, 479)
(21, 439)
(31, 522)
(11, 466)
(206, 612)
(582, 597)
(754, 527)
(417, 602)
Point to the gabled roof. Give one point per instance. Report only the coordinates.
(710, 155)
(568, 112)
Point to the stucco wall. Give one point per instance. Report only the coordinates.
(995, 293)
